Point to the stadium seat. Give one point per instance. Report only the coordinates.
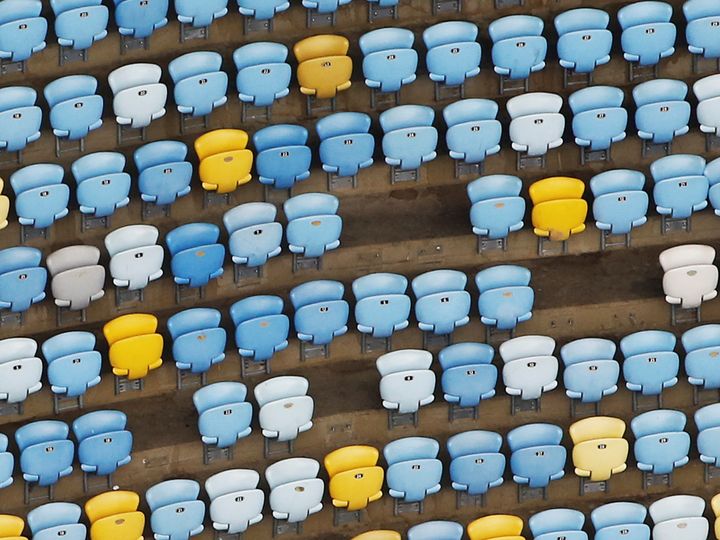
(236, 503)
(442, 304)
(662, 112)
(322, 12)
(707, 421)
(324, 67)
(529, 368)
(620, 204)
(538, 456)
(549, 524)
(22, 31)
(414, 470)
(176, 509)
(648, 34)
(41, 197)
(164, 174)
(715, 505)
(77, 277)
(22, 280)
(473, 133)
(73, 366)
(296, 492)
(679, 516)
(114, 515)
(702, 347)
(407, 382)
(599, 450)
(198, 16)
(54, 520)
(321, 314)
(224, 415)
(476, 462)
(620, 520)
(497, 526)
(379, 9)
(468, 376)
(389, 61)
(409, 140)
(79, 24)
(378, 535)
(46, 454)
(651, 364)
(382, 307)
(355, 479)
(433, 530)
(599, 120)
(286, 409)
(11, 527)
(261, 329)
(20, 116)
(104, 443)
(225, 161)
(506, 298)
(259, 14)
(681, 187)
(559, 211)
(712, 173)
(661, 443)
(701, 30)
(584, 42)
(135, 346)
(519, 49)
(198, 341)
(197, 257)
(536, 125)
(20, 371)
(7, 463)
(102, 185)
(76, 108)
(690, 276)
(263, 72)
(200, 85)
(708, 108)
(346, 145)
(138, 95)
(4, 207)
(313, 227)
(497, 208)
(283, 156)
(138, 19)
(135, 258)
(591, 371)
(453, 55)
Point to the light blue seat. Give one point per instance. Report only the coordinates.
(104, 443)
(165, 173)
(681, 187)
(558, 522)
(261, 327)
(46, 453)
(200, 84)
(707, 420)
(20, 117)
(620, 520)
(283, 156)
(469, 376)
(263, 72)
(41, 198)
(453, 54)
(712, 173)
(7, 463)
(254, 234)
(584, 41)
(140, 18)
(324, 6)
(22, 29)
(22, 279)
(477, 464)
(389, 60)
(200, 14)
(197, 257)
(651, 363)
(442, 302)
(102, 184)
(662, 112)
(647, 32)
(519, 48)
(409, 138)
(620, 204)
(76, 109)
(436, 530)
(198, 339)
(591, 372)
(414, 470)
(73, 363)
(382, 306)
(225, 416)
(57, 520)
(537, 458)
(177, 512)
(497, 207)
(313, 227)
(346, 144)
(661, 444)
(321, 314)
(702, 346)
(262, 10)
(599, 119)
(506, 299)
(80, 23)
(473, 131)
(702, 32)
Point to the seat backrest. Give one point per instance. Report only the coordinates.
(406, 116)
(230, 481)
(686, 255)
(130, 237)
(504, 275)
(462, 354)
(473, 442)
(596, 427)
(72, 257)
(526, 346)
(348, 458)
(52, 515)
(291, 470)
(676, 507)
(618, 513)
(219, 394)
(495, 526)
(587, 349)
(533, 103)
(111, 503)
(220, 141)
(556, 520)
(515, 26)
(432, 530)
(403, 360)
(279, 388)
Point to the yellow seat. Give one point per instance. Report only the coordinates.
(4, 207)
(225, 161)
(11, 526)
(324, 67)
(599, 451)
(356, 488)
(559, 210)
(596, 427)
(350, 457)
(715, 505)
(127, 326)
(111, 503)
(127, 526)
(134, 357)
(379, 535)
(496, 526)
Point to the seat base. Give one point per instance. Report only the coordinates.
(185, 292)
(152, 210)
(213, 453)
(28, 232)
(219, 535)
(586, 486)
(370, 344)
(299, 262)
(62, 316)
(699, 392)
(661, 149)
(282, 527)
(62, 403)
(711, 473)
(526, 493)
(383, 100)
(524, 161)
(251, 25)
(456, 412)
(65, 146)
(341, 182)
(47, 496)
(10, 409)
(649, 480)
(11, 318)
(315, 19)
(123, 385)
(123, 297)
(638, 399)
(213, 198)
(669, 224)
(251, 112)
(67, 55)
(88, 222)
(444, 92)
(462, 499)
(468, 169)
(446, 6)
(308, 351)
(492, 331)
(637, 72)
(588, 156)
(251, 368)
(311, 106)
(515, 85)
(524, 405)
(376, 13)
(273, 447)
(712, 141)
(127, 134)
(188, 122)
(499, 4)
(7, 68)
(699, 62)
(543, 251)
(15, 157)
(275, 195)
(607, 240)
(432, 340)
(485, 244)
(400, 507)
(396, 419)
(570, 76)
(680, 315)
(590, 409)
(188, 32)
(105, 483)
(399, 175)
(188, 379)
(342, 516)
(243, 273)
(129, 43)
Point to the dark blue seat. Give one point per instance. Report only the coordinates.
(469, 376)
(477, 464)
(165, 173)
(261, 327)
(197, 257)
(80, 23)
(346, 144)
(283, 156)
(198, 339)
(46, 453)
(22, 279)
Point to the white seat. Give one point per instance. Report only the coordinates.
(675, 507)
(280, 388)
(707, 87)
(20, 369)
(694, 528)
(16, 348)
(407, 391)
(530, 377)
(526, 346)
(296, 492)
(403, 360)
(537, 125)
(686, 255)
(690, 277)
(235, 501)
(139, 96)
(708, 115)
(135, 257)
(77, 278)
(285, 408)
